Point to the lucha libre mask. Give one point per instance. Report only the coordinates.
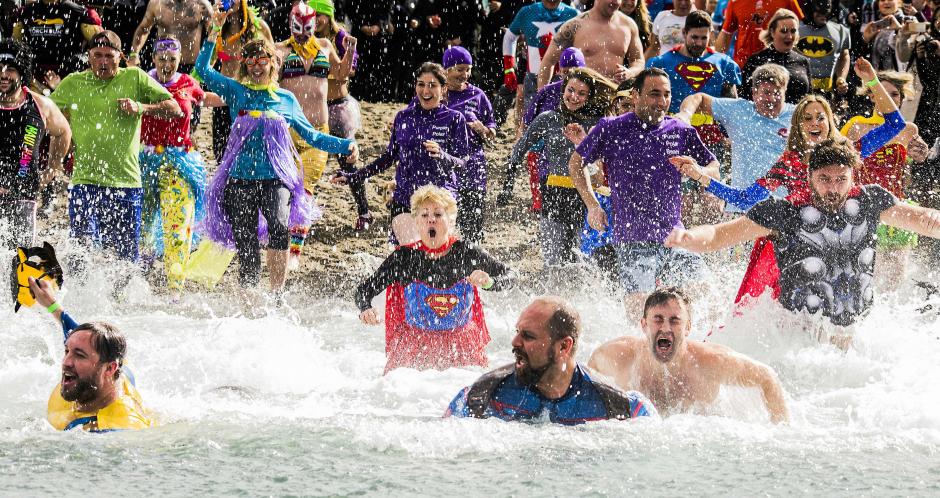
(303, 22)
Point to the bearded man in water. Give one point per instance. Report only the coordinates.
(678, 375)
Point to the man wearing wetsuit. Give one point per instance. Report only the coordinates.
(677, 374)
(824, 238)
(545, 382)
(55, 30)
(96, 392)
(25, 119)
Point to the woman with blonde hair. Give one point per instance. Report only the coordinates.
(433, 313)
(812, 123)
(780, 37)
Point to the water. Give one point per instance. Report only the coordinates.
(294, 403)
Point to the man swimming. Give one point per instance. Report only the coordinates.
(545, 382)
(677, 375)
(96, 391)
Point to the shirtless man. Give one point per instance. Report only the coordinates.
(184, 19)
(607, 37)
(680, 376)
(307, 61)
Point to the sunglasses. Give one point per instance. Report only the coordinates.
(788, 31)
(261, 60)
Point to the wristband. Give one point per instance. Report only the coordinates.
(216, 29)
(54, 307)
(489, 285)
(510, 70)
(872, 83)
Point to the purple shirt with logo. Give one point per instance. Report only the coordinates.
(475, 106)
(644, 185)
(413, 125)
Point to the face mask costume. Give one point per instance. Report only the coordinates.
(303, 23)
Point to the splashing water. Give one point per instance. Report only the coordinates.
(295, 403)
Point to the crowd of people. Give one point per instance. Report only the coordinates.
(808, 127)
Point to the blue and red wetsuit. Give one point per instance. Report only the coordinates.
(582, 403)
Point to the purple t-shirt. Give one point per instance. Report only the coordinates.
(413, 126)
(645, 192)
(475, 106)
(548, 99)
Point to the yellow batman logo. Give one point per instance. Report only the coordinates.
(815, 47)
(48, 22)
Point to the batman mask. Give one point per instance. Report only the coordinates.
(37, 262)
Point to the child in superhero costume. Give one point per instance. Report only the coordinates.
(433, 312)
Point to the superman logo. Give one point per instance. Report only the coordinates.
(815, 47)
(696, 74)
(442, 304)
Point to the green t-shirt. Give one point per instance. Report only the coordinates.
(107, 141)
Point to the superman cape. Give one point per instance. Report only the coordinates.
(430, 328)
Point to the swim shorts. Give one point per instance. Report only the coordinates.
(643, 265)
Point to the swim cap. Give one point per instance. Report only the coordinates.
(571, 57)
(457, 55)
(18, 55)
(322, 6)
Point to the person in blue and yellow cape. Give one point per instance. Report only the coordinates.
(96, 392)
(433, 313)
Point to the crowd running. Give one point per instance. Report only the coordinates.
(805, 132)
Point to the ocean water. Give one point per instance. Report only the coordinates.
(294, 403)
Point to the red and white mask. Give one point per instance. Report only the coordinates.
(303, 22)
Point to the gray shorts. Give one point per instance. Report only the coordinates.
(17, 223)
(644, 265)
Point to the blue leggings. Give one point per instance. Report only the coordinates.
(109, 217)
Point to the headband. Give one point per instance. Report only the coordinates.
(624, 93)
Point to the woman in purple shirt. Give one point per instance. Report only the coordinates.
(429, 141)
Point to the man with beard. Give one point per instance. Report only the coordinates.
(25, 119)
(96, 391)
(694, 67)
(824, 238)
(545, 382)
(609, 39)
(104, 106)
(676, 374)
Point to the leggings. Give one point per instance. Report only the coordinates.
(344, 122)
(242, 201)
(470, 215)
(560, 224)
